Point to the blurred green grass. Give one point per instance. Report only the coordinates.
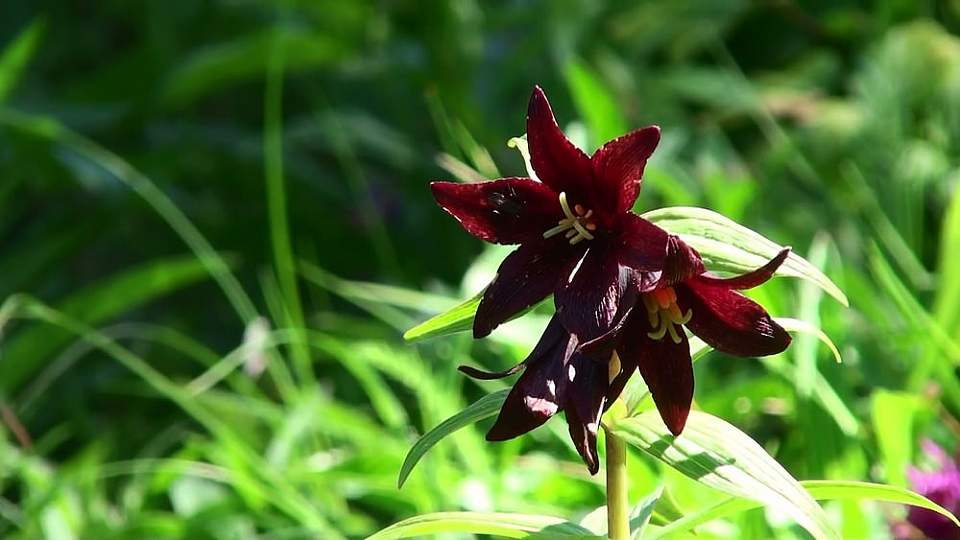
(193, 193)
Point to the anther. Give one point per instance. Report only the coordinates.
(576, 225)
(664, 314)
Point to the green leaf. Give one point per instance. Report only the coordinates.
(27, 350)
(721, 456)
(822, 490)
(893, 416)
(214, 67)
(730, 247)
(594, 102)
(803, 327)
(459, 318)
(498, 524)
(642, 512)
(947, 301)
(17, 54)
(484, 407)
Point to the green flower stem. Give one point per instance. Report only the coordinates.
(618, 503)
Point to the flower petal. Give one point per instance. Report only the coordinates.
(505, 211)
(539, 393)
(641, 244)
(618, 166)
(552, 334)
(558, 163)
(584, 403)
(524, 278)
(594, 291)
(682, 262)
(729, 321)
(750, 279)
(666, 368)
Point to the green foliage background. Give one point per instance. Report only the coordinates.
(193, 192)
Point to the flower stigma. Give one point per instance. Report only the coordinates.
(664, 314)
(577, 224)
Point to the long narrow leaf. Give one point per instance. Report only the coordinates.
(728, 246)
(822, 490)
(721, 456)
(484, 407)
(506, 525)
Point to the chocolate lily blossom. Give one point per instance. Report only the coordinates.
(652, 339)
(577, 237)
(557, 377)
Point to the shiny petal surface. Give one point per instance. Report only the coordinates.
(666, 368)
(596, 288)
(552, 334)
(558, 163)
(524, 278)
(539, 393)
(618, 166)
(682, 262)
(505, 211)
(730, 322)
(750, 279)
(584, 403)
(641, 245)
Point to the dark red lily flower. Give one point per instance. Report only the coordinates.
(557, 377)
(653, 341)
(578, 238)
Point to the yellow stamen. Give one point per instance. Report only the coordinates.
(658, 335)
(664, 314)
(576, 226)
(673, 333)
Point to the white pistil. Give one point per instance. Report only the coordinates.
(576, 225)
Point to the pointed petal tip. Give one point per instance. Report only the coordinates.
(593, 466)
(497, 435)
(480, 331)
(482, 375)
(676, 424)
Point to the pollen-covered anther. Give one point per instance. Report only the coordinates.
(664, 314)
(577, 226)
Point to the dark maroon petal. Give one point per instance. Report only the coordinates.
(664, 365)
(729, 321)
(641, 245)
(618, 166)
(584, 403)
(682, 262)
(750, 279)
(558, 163)
(596, 288)
(538, 394)
(524, 278)
(552, 334)
(505, 211)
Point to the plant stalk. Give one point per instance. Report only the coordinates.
(618, 506)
